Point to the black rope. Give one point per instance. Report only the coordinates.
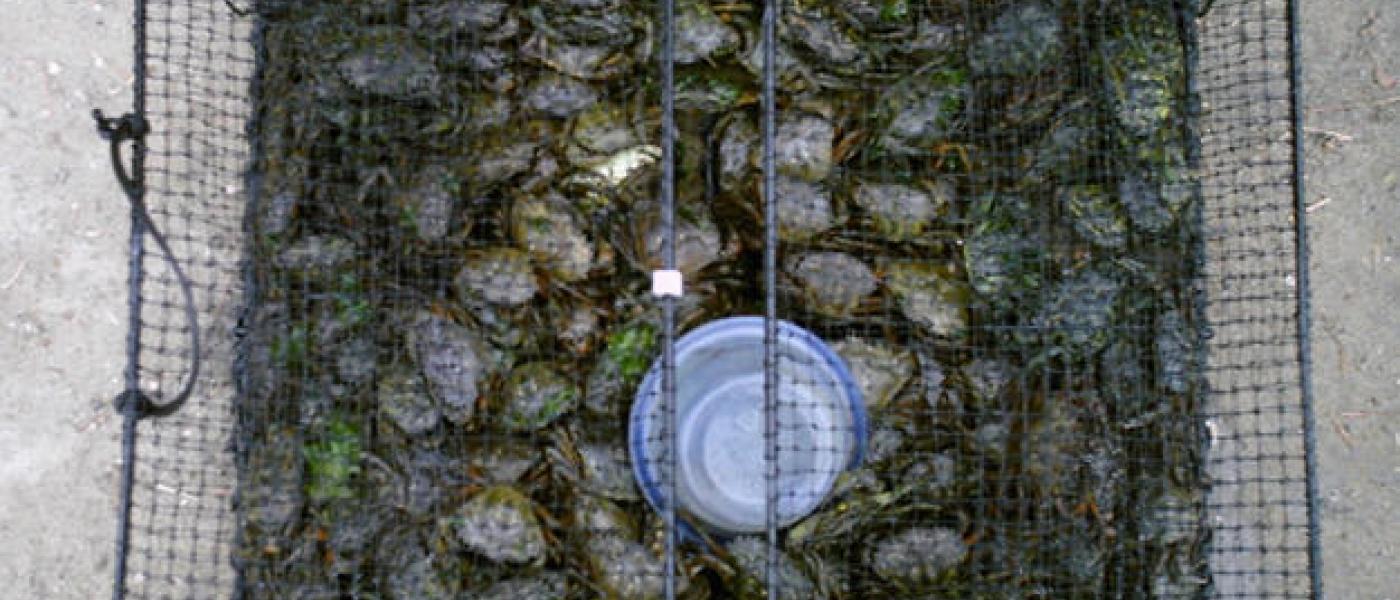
(133, 128)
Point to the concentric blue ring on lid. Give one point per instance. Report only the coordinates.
(719, 438)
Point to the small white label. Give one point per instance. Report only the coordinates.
(666, 283)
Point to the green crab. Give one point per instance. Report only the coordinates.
(628, 353)
(601, 131)
(585, 61)
(1156, 183)
(701, 36)
(623, 568)
(550, 229)
(594, 516)
(387, 61)
(804, 209)
(902, 212)
(499, 276)
(428, 200)
(921, 113)
(1081, 311)
(819, 36)
(1141, 70)
(1024, 40)
(802, 147)
(918, 556)
(542, 586)
(588, 21)
(409, 570)
(712, 92)
(1174, 352)
(599, 467)
(737, 150)
(1067, 148)
(446, 20)
(622, 562)
(316, 257)
(1095, 215)
(272, 498)
(403, 400)
(499, 460)
(558, 96)
(833, 284)
(931, 294)
(1006, 257)
(499, 160)
(499, 524)
(880, 370)
(613, 179)
(453, 360)
(984, 383)
(535, 395)
(698, 241)
(749, 558)
(862, 502)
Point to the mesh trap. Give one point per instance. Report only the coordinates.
(1053, 244)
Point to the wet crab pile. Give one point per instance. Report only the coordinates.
(983, 205)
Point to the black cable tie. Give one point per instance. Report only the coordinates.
(124, 400)
(115, 130)
(126, 127)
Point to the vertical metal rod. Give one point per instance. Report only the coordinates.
(131, 408)
(770, 269)
(668, 302)
(1295, 79)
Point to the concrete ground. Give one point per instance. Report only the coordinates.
(1352, 60)
(63, 229)
(62, 265)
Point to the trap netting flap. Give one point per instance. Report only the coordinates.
(976, 299)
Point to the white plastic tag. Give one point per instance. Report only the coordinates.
(666, 282)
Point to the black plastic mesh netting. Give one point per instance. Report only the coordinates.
(1024, 317)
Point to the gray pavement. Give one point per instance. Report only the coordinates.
(62, 291)
(1352, 52)
(63, 226)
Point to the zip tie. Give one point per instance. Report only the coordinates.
(667, 282)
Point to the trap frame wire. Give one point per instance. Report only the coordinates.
(191, 151)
